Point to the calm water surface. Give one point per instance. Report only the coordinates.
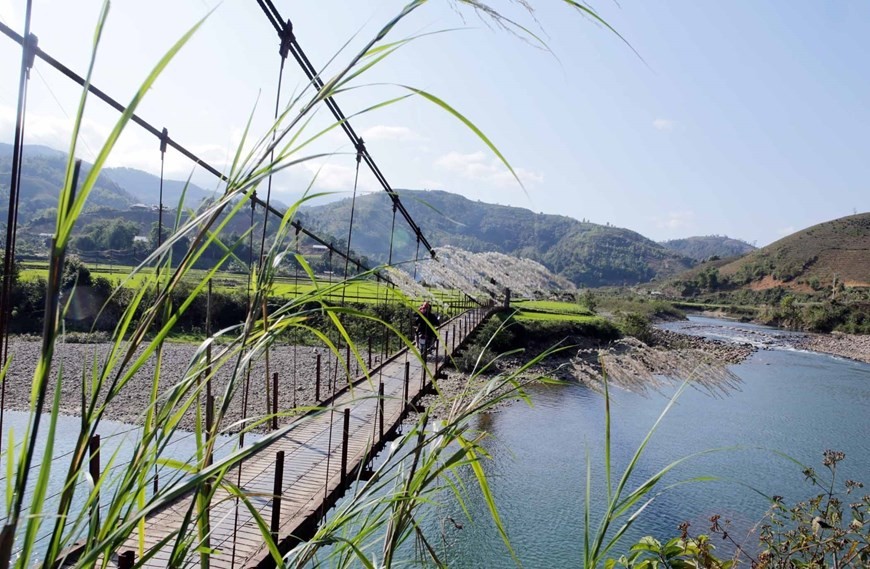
(795, 402)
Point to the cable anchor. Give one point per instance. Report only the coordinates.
(164, 140)
(30, 45)
(287, 38)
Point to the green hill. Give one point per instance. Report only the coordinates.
(41, 179)
(585, 253)
(145, 188)
(813, 260)
(704, 247)
(814, 257)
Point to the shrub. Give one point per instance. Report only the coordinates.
(817, 532)
(636, 325)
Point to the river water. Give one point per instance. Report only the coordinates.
(789, 401)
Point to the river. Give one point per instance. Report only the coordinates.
(789, 401)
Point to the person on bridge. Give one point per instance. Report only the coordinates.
(426, 322)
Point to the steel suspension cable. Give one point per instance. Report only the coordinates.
(286, 30)
(386, 290)
(27, 59)
(416, 259)
(260, 262)
(246, 387)
(359, 150)
(283, 52)
(11, 34)
(164, 136)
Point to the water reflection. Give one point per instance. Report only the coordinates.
(795, 402)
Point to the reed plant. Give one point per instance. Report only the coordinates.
(95, 517)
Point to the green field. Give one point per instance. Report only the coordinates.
(362, 291)
(552, 307)
(553, 317)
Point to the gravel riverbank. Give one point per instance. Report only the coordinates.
(631, 364)
(296, 368)
(848, 346)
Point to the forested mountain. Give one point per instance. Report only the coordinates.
(145, 188)
(588, 254)
(585, 253)
(41, 179)
(702, 248)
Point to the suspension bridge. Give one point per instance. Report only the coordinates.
(293, 481)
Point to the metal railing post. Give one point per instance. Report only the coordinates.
(277, 491)
(275, 401)
(345, 436)
(405, 390)
(127, 559)
(381, 408)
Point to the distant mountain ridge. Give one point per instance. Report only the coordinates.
(117, 188)
(42, 177)
(146, 187)
(704, 247)
(585, 253)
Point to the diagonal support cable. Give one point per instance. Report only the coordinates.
(285, 32)
(157, 133)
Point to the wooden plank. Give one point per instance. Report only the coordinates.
(307, 451)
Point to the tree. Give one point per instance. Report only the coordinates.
(119, 234)
(75, 273)
(16, 268)
(179, 248)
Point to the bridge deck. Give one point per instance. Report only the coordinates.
(312, 464)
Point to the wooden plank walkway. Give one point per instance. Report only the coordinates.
(312, 462)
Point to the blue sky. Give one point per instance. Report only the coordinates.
(742, 118)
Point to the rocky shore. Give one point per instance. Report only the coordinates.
(848, 346)
(631, 364)
(295, 365)
(729, 353)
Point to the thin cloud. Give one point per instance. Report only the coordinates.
(676, 220)
(478, 167)
(664, 125)
(55, 132)
(335, 177)
(384, 132)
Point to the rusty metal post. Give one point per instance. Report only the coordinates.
(127, 559)
(345, 436)
(370, 352)
(381, 408)
(275, 401)
(277, 491)
(453, 339)
(317, 383)
(347, 359)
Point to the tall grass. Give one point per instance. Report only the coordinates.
(112, 509)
